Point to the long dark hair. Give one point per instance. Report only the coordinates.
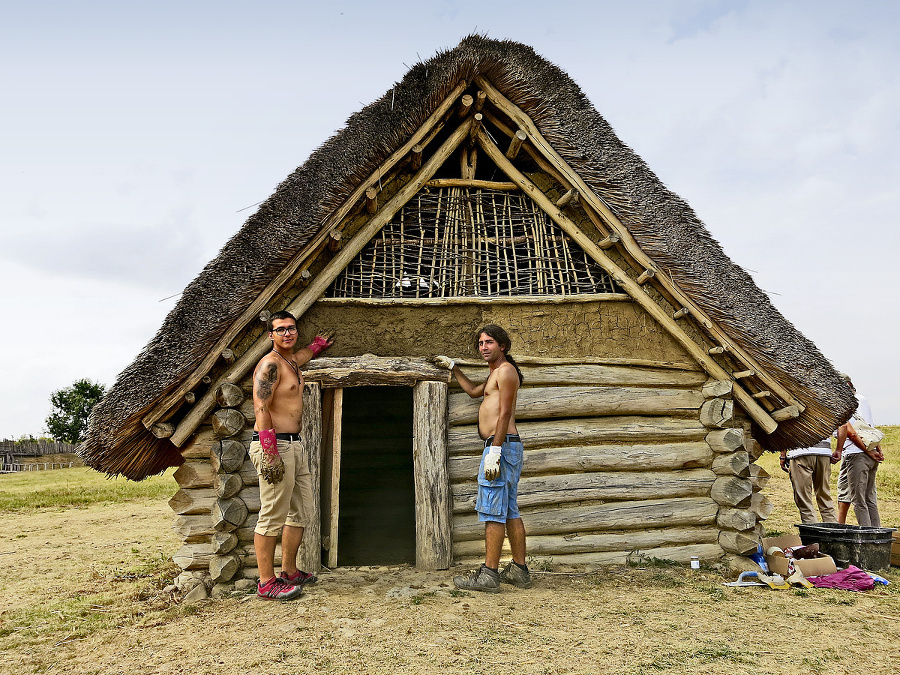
(502, 338)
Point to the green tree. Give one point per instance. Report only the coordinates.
(71, 406)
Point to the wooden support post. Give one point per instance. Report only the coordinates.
(465, 105)
(571, 197)
(609, 242)
(516, 144)
(468, 158)
(646, 276)
(480, 98)
(371, 200)
(309, 557)
(415, 158)
(335, 486)
(432, 481)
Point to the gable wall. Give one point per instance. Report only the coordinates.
(604, 329)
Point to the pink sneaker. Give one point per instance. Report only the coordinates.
(299, 578)
(277, 588)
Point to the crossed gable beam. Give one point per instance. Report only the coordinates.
(753, 387)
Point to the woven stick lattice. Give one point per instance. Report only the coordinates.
(461, 242)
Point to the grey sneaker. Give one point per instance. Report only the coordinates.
(484, 579)
(515, 575)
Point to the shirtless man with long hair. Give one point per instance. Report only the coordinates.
(501, 462)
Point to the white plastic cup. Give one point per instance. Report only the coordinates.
(695, 562)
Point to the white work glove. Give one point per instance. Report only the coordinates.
(492, 463)
(443, 362)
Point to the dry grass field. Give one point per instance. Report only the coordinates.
(84, 562)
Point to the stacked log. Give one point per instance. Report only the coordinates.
(733, 487)
(617, 464)
(218, 501)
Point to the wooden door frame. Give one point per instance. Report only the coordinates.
(431, 475)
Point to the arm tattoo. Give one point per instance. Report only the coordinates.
(265, 382)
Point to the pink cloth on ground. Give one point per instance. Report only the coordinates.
(850, 579)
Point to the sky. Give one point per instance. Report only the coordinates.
(137, 137)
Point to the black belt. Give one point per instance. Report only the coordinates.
(510, 438)
(280, 437)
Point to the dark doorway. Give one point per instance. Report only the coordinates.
(376, 521)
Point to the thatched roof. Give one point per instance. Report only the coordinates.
(663, 224)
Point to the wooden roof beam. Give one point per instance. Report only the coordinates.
(759, 415)
(588, 197)
(421, 136)
(323, 279)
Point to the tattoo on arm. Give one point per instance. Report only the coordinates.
(265, 382)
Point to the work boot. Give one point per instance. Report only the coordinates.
(485, 580)
(519, 577)
(278, 589)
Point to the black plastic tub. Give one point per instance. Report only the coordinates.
(868, 548)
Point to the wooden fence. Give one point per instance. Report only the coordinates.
(35, 466)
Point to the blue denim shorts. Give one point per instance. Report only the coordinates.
(497, 499)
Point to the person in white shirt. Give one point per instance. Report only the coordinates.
(810, 472)
(856, 482)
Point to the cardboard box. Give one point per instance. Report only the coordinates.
(895, 550)
(811, 567)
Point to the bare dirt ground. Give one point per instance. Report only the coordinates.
(82, 593)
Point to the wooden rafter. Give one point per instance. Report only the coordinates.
(420, 139)
(588, 197)
(323, 279)
(759, 415)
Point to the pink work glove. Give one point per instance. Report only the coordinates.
(321, 342)
(272, 464)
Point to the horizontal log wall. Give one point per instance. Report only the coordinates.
(617, 460)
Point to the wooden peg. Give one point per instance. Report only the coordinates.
(685, 311)
(787, 413)
(609, 242)
(571, 197)
(516, 144)
(743, 373)
(465, 105)
(717, 350)
(334, 241)
(762, 394)
(480, 98)
(371, 200)
(190, 397)
(415, 158)
(228, 356)
(646, 276)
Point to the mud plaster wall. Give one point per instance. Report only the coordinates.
(597, 329)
